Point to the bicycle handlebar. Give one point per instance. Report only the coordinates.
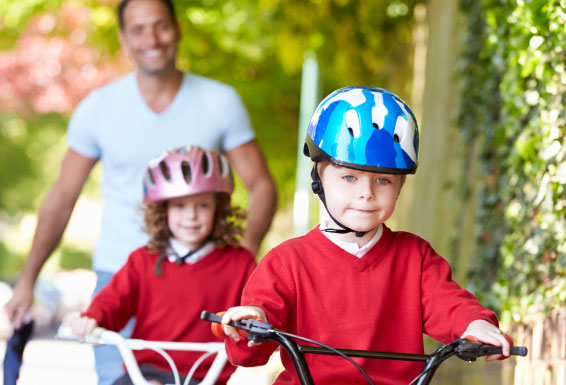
(463, 348)
(126, 346)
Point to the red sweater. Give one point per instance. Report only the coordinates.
(168, 308)
(384, 301)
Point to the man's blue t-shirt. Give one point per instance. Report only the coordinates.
(114, 124)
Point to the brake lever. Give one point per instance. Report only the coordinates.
(258, 331)
(469, 351)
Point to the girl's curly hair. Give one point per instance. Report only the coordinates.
(227, 229)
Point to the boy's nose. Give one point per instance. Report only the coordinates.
(366, 190)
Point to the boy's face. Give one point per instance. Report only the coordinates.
(360, 200)
(191, 218)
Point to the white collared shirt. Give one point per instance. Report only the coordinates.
(352, 247)
(177, 250)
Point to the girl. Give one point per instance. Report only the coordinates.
(191, 262)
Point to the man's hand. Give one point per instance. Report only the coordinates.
(20, 304)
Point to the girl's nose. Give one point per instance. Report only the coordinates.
(190, 211)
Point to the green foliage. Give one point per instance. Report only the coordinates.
(10, 264)
(74, 259)
(27, 158)
(514, 93)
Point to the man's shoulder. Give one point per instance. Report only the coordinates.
(115, 88)
(116, 85)
(205, 84)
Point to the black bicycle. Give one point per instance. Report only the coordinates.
(462, 348)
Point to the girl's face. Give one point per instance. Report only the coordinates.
(360, 200)
(191, 218)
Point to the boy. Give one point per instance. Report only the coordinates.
(353, 283)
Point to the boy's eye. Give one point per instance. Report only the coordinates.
(383, 181)
(348, 178)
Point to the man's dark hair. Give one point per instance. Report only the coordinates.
(124, 3)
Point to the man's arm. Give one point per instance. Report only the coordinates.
(52, 221)
(250, 165)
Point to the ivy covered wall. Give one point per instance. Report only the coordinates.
(513, 109)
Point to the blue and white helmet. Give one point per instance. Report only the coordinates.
(364, 128)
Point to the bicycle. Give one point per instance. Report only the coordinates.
(463, 348)
(127, 346)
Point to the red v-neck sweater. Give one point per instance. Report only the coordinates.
(168, 308)
(384, 301)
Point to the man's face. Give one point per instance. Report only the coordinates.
(150, 36)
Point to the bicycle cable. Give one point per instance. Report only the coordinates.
(434, 366)
(331, 349)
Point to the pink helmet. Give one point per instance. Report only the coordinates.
(186, 171)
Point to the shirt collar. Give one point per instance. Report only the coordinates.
(352, 247)
(177, 250)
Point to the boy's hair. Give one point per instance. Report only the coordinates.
(226, 231)
(124, 3)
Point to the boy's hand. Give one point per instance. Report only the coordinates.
(239, 313)
(488, 333)
(81, 326)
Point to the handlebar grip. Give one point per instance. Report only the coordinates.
(210, 317)
(216, 326)
(519, 351)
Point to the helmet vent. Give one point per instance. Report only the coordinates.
(205, 165)
(222, 165)
(396, 138)
(376, 126)
(186, 170)
(149, 179)
(165, 170)
(351, 131)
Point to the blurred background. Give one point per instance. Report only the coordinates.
(486, 79)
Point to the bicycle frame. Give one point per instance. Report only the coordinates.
(127, 346)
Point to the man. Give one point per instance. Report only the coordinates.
(130, 121)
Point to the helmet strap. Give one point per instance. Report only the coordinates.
(317, 189)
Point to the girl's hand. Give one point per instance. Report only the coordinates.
(81, 326)
(488, 333)
(239, 313)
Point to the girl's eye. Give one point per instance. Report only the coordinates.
(383, 181)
